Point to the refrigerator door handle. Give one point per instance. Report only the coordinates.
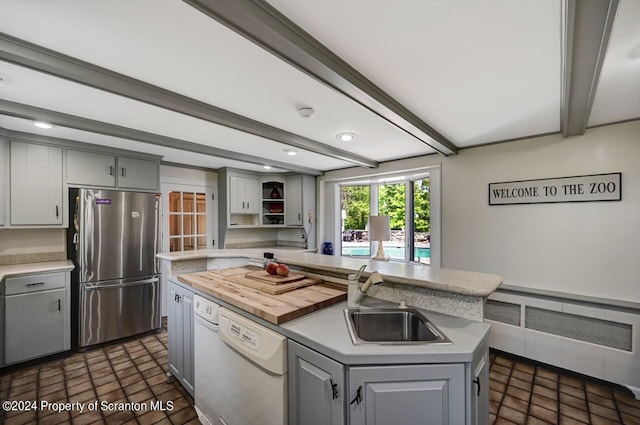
(92, 286)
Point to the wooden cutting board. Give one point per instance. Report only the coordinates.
(236, 270)
(277, 308)
(275, 279)
(271, 288)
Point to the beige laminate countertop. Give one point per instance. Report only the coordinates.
(32, 268)
(436, 278)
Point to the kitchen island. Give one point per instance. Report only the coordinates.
(356, 383)
(453, 292)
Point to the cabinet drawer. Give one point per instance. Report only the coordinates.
(34, 283)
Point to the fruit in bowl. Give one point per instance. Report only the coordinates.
(272, 268)
(282, 270)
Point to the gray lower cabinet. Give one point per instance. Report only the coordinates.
(407, 394)
(180, 335)
(479, 389)
(316, 388)
(37, 316)
(323, 391)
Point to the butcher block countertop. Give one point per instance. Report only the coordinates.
(233, 286)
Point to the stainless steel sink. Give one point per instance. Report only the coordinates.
(392, 327)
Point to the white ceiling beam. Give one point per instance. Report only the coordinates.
(587, 30)
(44, 60)
(264, 25)
(33, 113)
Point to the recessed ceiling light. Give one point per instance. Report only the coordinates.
(290, 152)
(42, 124)
(267, 167)
(346, 137)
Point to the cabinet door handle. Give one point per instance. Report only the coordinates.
(59, 305)
(248, 205)
(334, 389)
(57, 212)
(111, 170)
(242, 204)
(358, 398)
(477, 382)
(35, 284)
(299, 216)
(123, 172)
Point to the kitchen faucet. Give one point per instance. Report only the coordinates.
(356, 291)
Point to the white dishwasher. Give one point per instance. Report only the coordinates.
(206, 345)
(241, 373)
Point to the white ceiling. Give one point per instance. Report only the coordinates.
(478, 72)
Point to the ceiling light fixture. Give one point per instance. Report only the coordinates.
(267, 167)
(306, 112)
(290, 152)
(346, 137)
(42, 124)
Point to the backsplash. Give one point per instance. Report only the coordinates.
(20, 246)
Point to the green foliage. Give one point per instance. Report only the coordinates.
(422, 206)
(391, 202)
(355, 200)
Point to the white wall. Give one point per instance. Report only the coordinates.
(581, 248)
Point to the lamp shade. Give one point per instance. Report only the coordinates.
(379, 228)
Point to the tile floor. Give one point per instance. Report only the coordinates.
(521, 392)
(526, 393)
(133, 371)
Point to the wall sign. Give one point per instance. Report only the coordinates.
(591, 188)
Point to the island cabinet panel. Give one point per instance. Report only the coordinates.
(316, 388)
(404, 395)
(36, 184)
(479, 389)
(180, 335)
(91, 168)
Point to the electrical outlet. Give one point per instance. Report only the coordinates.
(310, 214)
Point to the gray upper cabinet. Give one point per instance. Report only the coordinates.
(316, 388)
(406, 395)
(293, 208)
(244, 195)
(4, 179)
(95, 169)
(36, 184)
(90, 168)
(300, 200)
(134, 173)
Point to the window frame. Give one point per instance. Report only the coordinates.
(407, 177)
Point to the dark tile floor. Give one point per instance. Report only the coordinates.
(521, 392)
(129, 372)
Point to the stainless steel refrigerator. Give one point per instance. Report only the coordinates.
(114, 239)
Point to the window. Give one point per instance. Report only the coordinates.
(187, 221)
(355, 204)
(406, 200)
